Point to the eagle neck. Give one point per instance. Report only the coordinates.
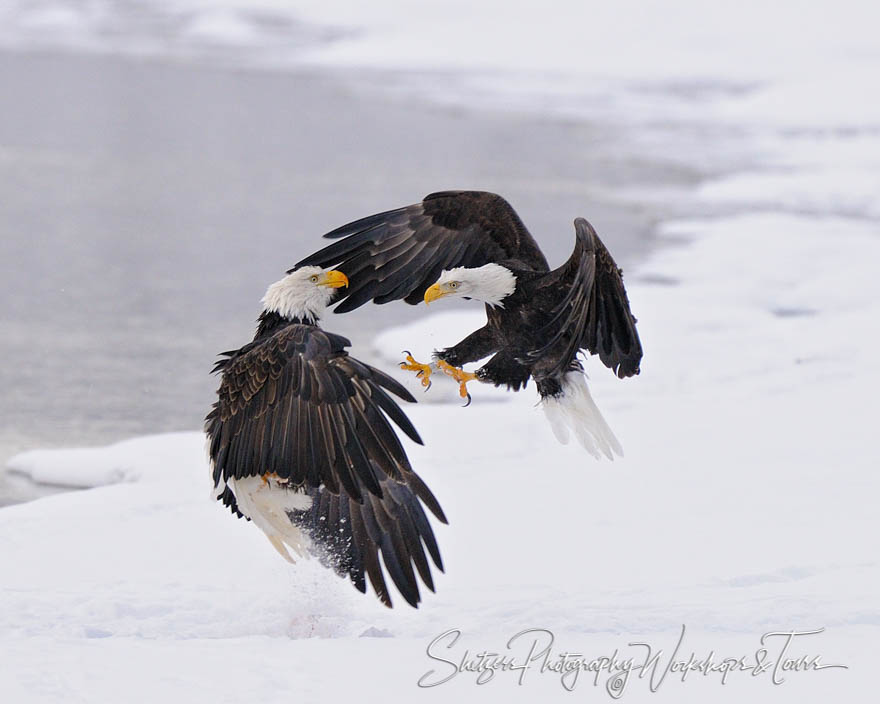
(270, 321)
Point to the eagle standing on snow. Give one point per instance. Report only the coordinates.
(300, 444)
(472, 244)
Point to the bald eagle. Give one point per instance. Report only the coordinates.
(300, 444)
(472, 244)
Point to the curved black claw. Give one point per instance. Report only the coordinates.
(468, 401)
(420, 374)
(407, 352)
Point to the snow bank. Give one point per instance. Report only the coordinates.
(595, 38)
(132, 460)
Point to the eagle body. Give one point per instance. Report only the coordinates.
(522, 333)
(472, 244)
(510, 333)
(301, 443)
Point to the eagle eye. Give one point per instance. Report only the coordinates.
(313, 279)
(453, 284)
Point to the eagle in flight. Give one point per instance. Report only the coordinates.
(472, 244)
(300, 443)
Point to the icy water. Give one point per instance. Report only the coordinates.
(146, 206)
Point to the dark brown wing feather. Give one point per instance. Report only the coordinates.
(350, 537)
(593, 312)
(296, 405)
(399, 253)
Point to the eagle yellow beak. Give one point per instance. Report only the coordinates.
(334, 279)
(434, 292)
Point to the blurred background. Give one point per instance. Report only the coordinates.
(162, 162)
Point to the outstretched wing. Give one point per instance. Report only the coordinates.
(297, 406)
(296, 409)
(593, 311)
(349, 536)
(399, 253)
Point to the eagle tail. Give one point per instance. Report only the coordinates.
(267, 503)
(572, 410)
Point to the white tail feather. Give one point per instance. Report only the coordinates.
(574, 411)
(266, 503)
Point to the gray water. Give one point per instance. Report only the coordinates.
(146, 205)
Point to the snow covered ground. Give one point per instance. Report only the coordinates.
(746, 502)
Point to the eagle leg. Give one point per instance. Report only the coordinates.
(423, 371)
(461, 376)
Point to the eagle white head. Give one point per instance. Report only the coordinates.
(304, 293)
(490, 283)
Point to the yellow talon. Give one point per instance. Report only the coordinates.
(423, 371)
(461, 376)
